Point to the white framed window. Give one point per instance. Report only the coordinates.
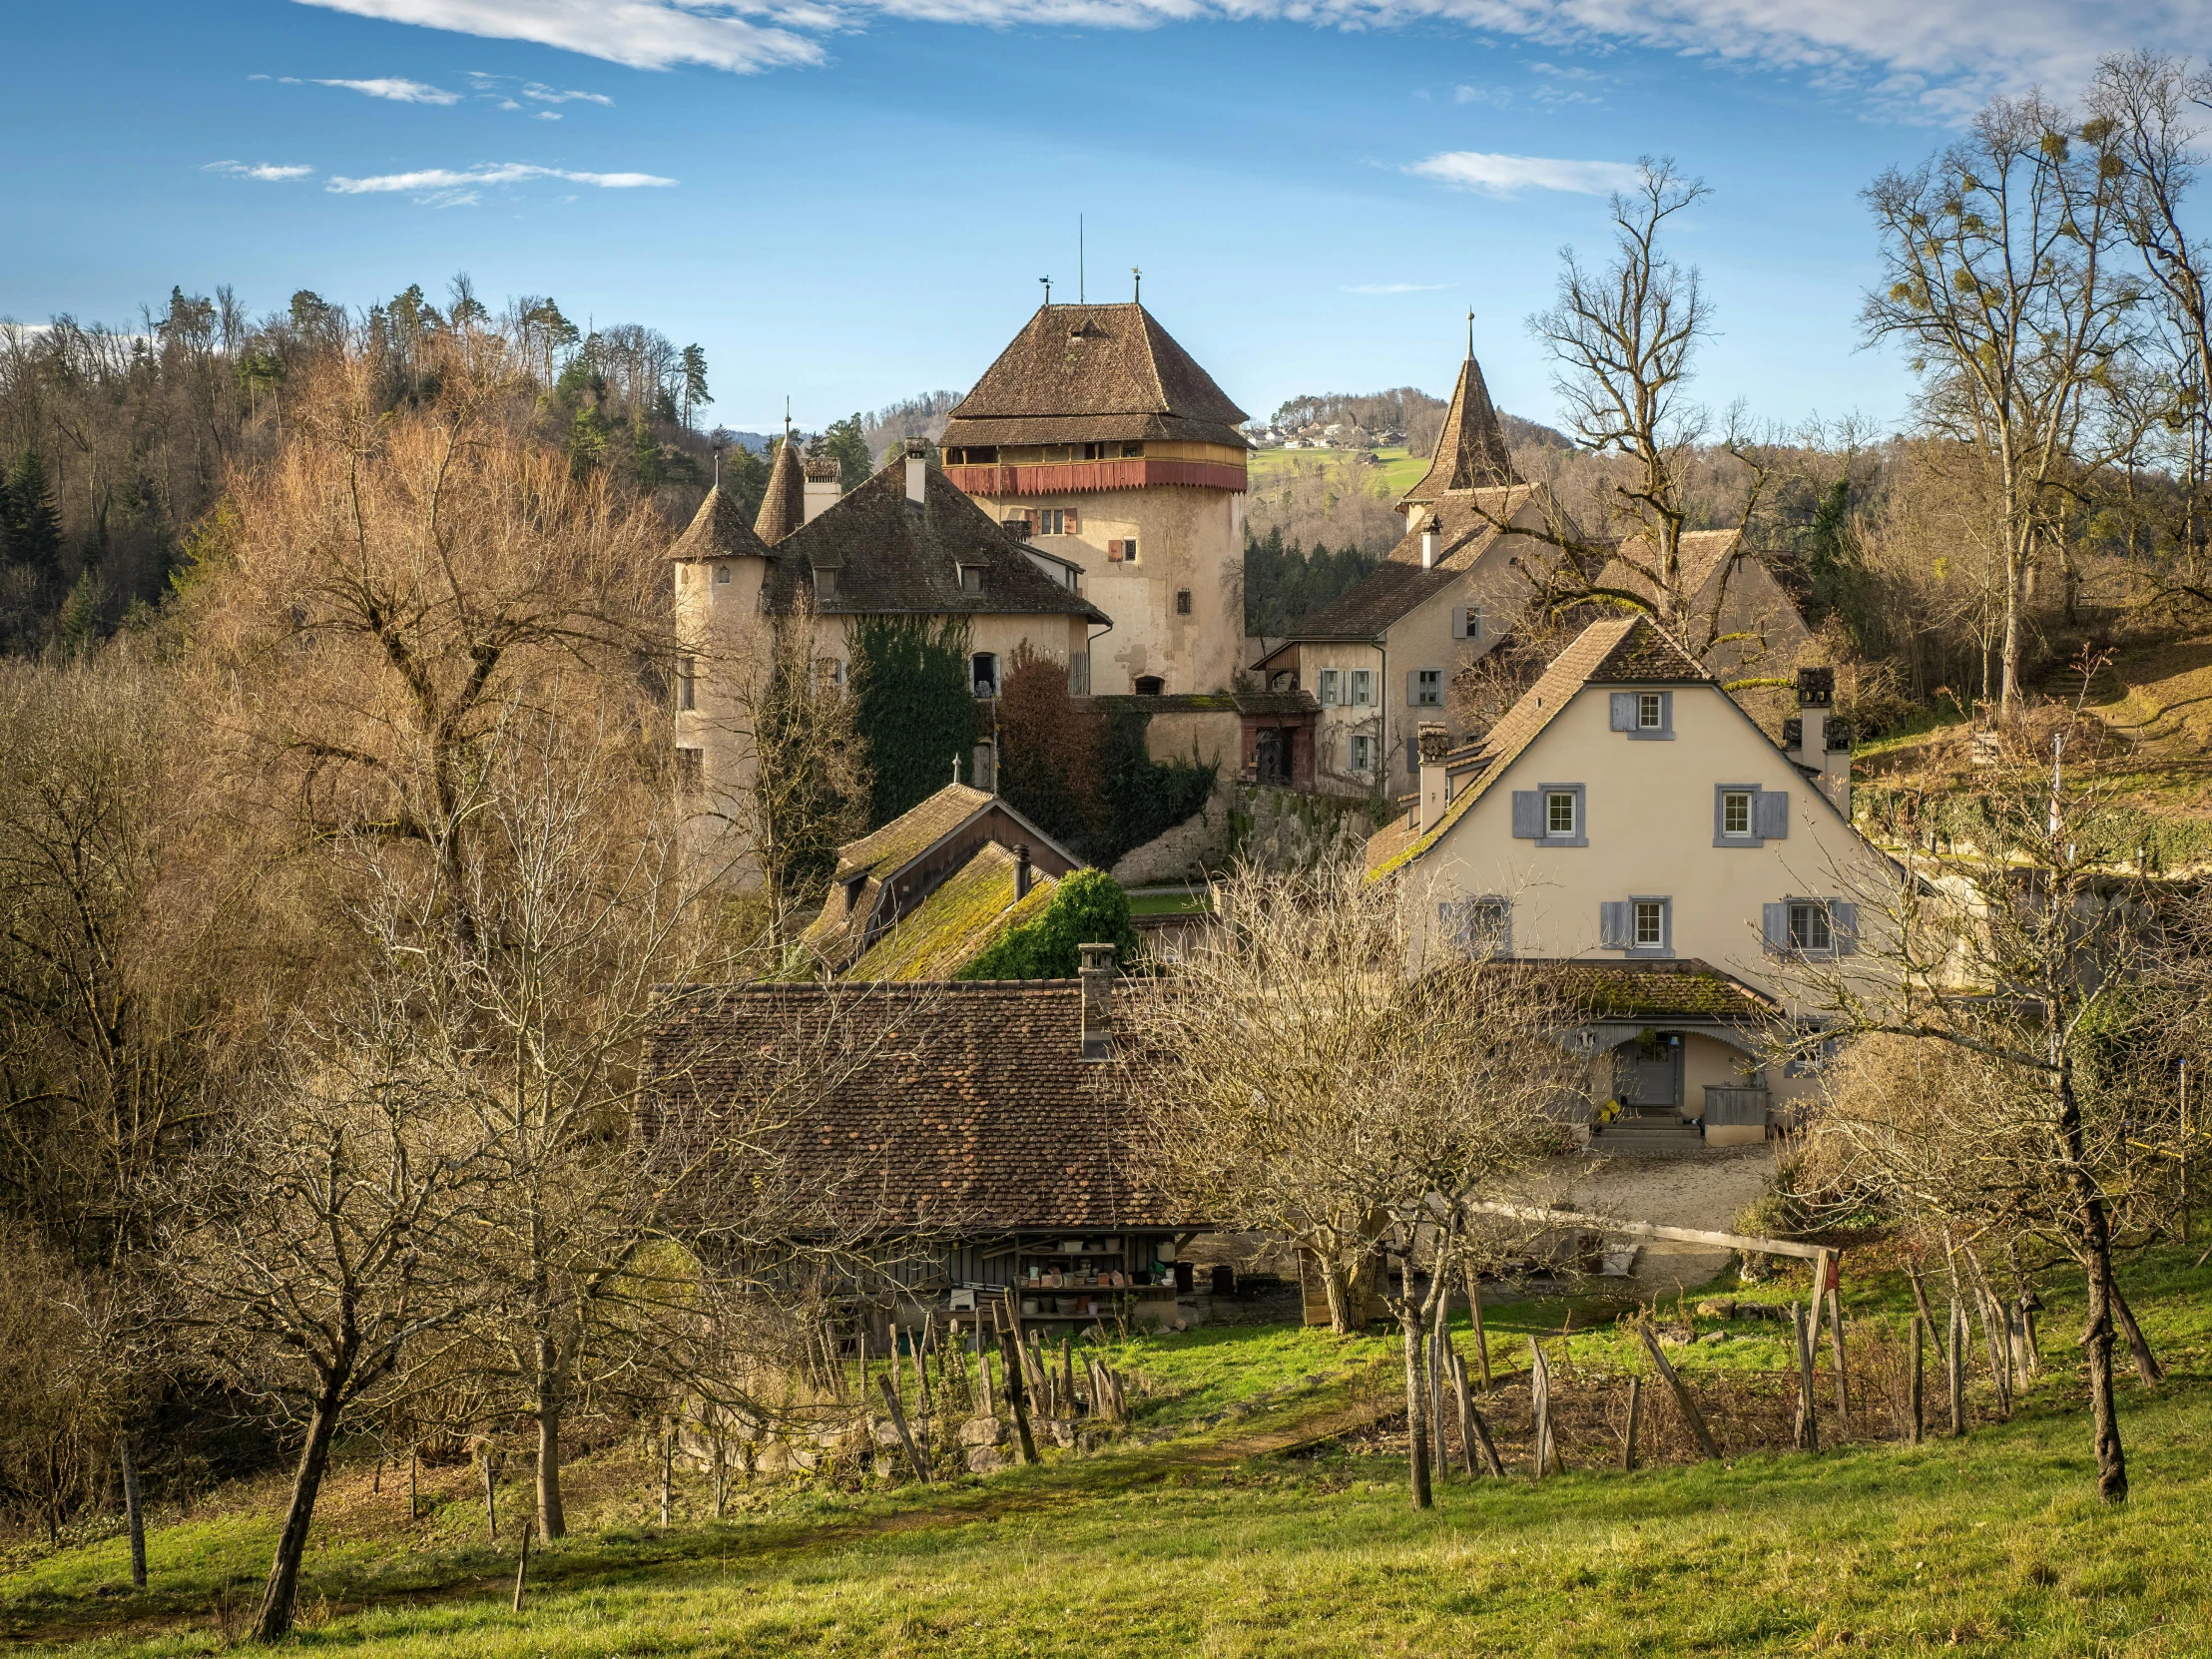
(1362, 753)
(984, 673)
(1331, 687)
(1428, 688)
(1052, 522)
(1736, 810)
(1482, 925)
(1651, 924)
(1646, 715)
(1363, 688)
(1552, 814)
(1641, 924)
(1562, 815)
(1744, 814)
(1808, 928)
(1651, 712)
(1812, 927)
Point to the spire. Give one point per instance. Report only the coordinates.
(718, 531)
(1472, 453)
(784, 507)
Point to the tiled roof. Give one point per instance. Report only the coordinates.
(1684, 988)
(1472, 452)
(911, 834)
(1398, 583)
(784, 506)
(1621, 651)
(894, 556)
(950, 927)
(958, 1107)
(1088, 372)
(1187, 703)
(718, 531)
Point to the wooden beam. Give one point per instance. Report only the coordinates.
(1653, 1230)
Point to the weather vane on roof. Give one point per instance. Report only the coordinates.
(1047, 281)
(1138, 277)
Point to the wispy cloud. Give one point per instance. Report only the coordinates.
(1939, 54)
(264, 170)
(398, 91)
(554, 95)
(1495, 174)
(1397, 288)
(1499, 97)
(441, 187)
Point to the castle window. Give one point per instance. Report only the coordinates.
(686, 683)
(971, 579)
(1052, 522)
(1148, 685)
(722, 573)
(1363, 688)
(983, 672)
(1332, 679)
(1182, 601)
(1132, 451)
(1363, 754)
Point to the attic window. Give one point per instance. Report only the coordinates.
(826, 581)
(971, 579)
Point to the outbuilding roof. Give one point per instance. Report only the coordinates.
(951, 1107)
(1079, 373)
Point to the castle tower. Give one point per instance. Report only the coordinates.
(1472, 452)
(1108, 444)
(721, 566)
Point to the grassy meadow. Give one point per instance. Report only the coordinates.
(1257, 1507)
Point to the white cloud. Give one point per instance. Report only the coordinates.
(553, 95)
(1495, 174)
(398, 91)
(1940, 54)
(263, 171)
(441, 187)
(1498, 95)
(549, 114)
(1398, 288)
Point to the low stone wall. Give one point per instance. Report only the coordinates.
(1277, 828)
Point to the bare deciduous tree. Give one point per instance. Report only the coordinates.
(1299, 1076)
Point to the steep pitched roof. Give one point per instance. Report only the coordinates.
(718, 531)
(1087, 372)
(1398, 585)
(784, 507)
(1619, 651)
(951, 928)
(895, 556)
(911, 834)
(1699, 552)
(1472, 452)
(959, 1107)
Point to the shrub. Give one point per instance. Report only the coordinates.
(1089, 908)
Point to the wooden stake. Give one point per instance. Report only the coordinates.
(1843, 1376)
(1636, 1417)
(1954, 1368)
(668, 1473)
(1808, 1413)
(522, 1562)
(1539, 1394)
(1483, 1437)
(1466, 1413)
(415, 1458)
(905, 1435)
(1919, 1301)
(1067, 1375)
(1920, 1380)
(132, 1513)
(1682, 1400)
(1474, 1328)
(1008, 1345)
(491, 1499)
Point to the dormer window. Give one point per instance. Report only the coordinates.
(971, 579)
(826, 581)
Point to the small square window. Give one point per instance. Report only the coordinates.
(1428, 688)
(1651, 924)
(722, 573)
(1559, 813)
(1808, 929)
(1651, 712)
(1736, 812)
(1182, 601)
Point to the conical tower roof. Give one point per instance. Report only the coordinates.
(784, 507)
(718, 531)
(1472, 453)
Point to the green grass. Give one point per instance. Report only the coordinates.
(1992, 1544)
(1399, 471)
(1168, 904)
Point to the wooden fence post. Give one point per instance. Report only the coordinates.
(1008, 1351)
(522, 1562)
(1919, 1378)
(1474, 1328)
(1539, 1396)
(1954, 1368)
(1682, 1400)
(905, 1435)
(491, 1496)
(414, 1459)
(668, 1471)
(1466, 1413)
(1843, 1375)
(133, 1515)
(1802, 1321)
(1636, 1417)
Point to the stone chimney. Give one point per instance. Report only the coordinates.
(1432, 744)
(823, 485)
(1428, 546)
(918, 471)
(1022, 873)
(1814, 738)
(1098, 1002)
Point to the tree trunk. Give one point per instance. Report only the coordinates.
(552, 1517)
(2146, 1363)
(275, 1618)
(2097, 1246)
(1335, 1285)
(1417, 1432)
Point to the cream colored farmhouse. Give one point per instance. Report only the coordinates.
(1627, 816)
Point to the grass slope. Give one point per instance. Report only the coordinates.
(1236, 1535)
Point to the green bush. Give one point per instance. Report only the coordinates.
(1144, 798)
(1089, 908)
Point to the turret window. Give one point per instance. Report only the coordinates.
(1182, 601)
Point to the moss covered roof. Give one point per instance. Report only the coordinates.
(911, 834)
(949, 928)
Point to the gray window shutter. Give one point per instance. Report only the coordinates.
(1770, 815)
(1624, 711)
(1413, 687)
(1774, 923)
(1528, 816)
(1843, 928)
(1459, 622)
(1616, 924)
(1719, 810)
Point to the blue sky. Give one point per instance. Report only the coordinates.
(849, 200)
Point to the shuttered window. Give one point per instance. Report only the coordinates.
(1467, 621)
(1744, 814)
(1552, 814)
(1812, 930)
(1641, 926)
(1646, 715)
(1424, 688)
(1331, 683)
(1363, 688)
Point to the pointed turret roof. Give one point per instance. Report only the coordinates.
(784, 507)
(718, 531)
(1472, 453)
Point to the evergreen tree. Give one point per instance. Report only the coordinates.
(645, 453)
(848, 443)
(913, 706)
(79, 623)
(34, 525)
(587, 441)
(695, 381)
